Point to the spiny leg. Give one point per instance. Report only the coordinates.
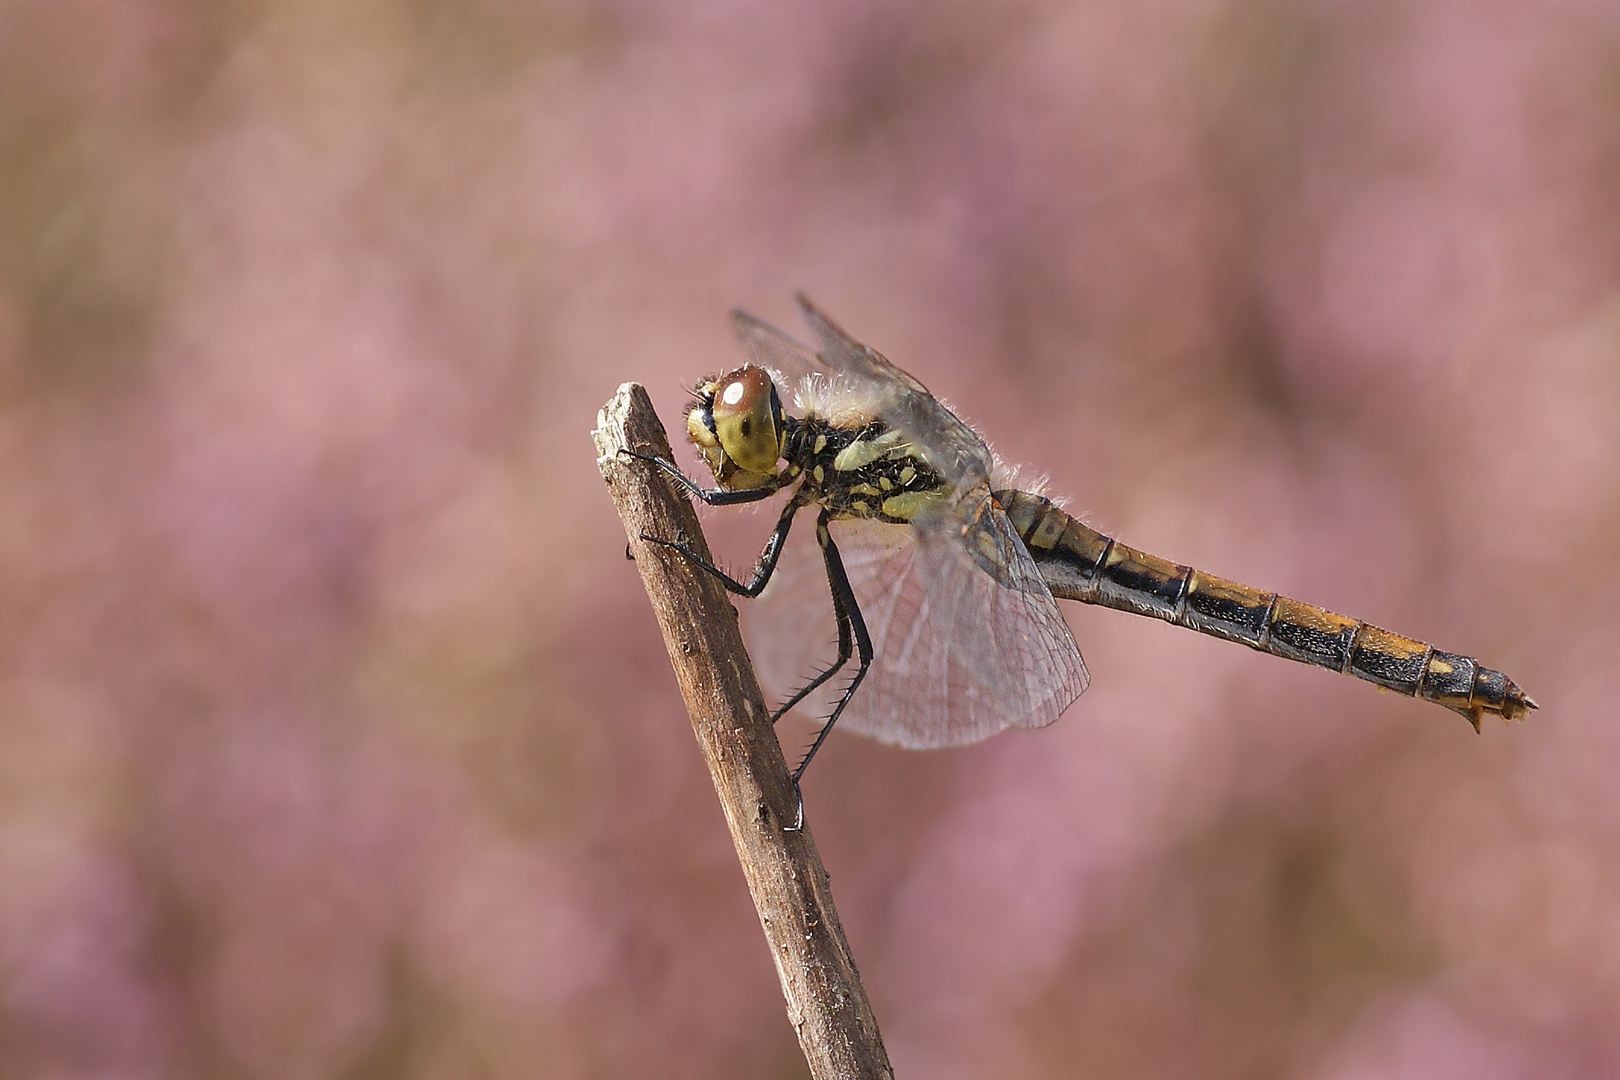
(850, 624)
(846, 649)
(763, 567)
(766, 563)
(713, 496)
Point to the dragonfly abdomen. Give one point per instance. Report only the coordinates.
(1079, 563)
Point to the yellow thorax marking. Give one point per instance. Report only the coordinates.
(862, 452)
(905, 505)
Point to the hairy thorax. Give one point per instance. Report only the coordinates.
(864, 472)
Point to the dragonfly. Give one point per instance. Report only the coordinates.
(944, 577)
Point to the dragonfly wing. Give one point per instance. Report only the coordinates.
(770, 348)
(858, 380)
(953, 449)
(843, 354)
(959, 655)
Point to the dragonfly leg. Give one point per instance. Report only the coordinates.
(851, 632)
(713, 496)
(763, 568)
(846, 649)
(844, 653)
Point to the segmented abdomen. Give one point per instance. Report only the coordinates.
(1079, 563)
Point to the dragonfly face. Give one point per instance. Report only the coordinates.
(738, 424)
(943, 582)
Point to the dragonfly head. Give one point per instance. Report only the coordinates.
(738, 424)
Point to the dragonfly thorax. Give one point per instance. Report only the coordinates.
(871, 471)
(862, 471)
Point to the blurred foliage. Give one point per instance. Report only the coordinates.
(335, 740)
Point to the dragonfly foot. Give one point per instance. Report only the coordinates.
(798, 813)
(625, 451)
(679, 545)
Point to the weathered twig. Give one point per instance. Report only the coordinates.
(825, 1001)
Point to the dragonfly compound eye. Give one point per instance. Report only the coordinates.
(748, 420)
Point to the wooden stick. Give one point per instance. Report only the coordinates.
(825, 1002)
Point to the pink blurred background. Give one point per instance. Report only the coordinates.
(336, 739)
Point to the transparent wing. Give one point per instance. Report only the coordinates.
(959, 655)
(770, 348)
(893, 396)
